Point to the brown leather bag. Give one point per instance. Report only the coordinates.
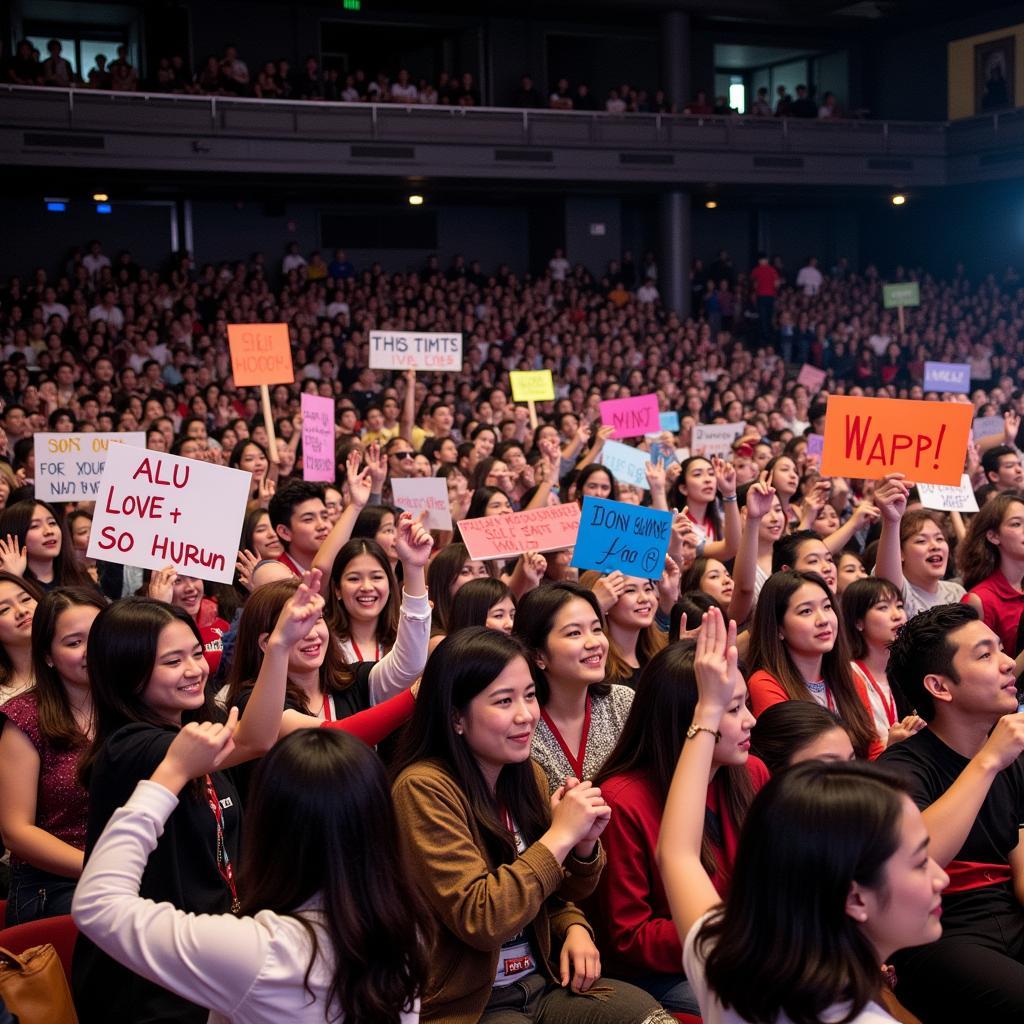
(34, 988)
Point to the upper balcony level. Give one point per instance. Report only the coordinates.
(161, 133)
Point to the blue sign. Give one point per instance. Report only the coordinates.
(663, 453)
(630, 538)
(626, 463)
(952, 377)
(669, 421)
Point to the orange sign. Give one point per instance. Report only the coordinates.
(260, 354)
(869, 437)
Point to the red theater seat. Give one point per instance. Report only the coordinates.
(60, 931)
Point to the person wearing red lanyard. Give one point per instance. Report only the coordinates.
(700, 483)
(581, 715)
(148, 678)
(798, 651)
(966, 773)
(872, 613)
(499, 862)
(630, 910)
(186, 593)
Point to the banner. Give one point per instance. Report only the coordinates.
(260, 354)
(415, 350)
(429, 493)
(537, 529)
(952, 377)
(632, 417)
(69, 467)
(532, 386)
(155, 510)
(626, 462)
(630, 538)
(870, 437)
(317, 438)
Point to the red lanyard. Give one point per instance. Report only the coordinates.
(227, 872)
(359, 653)
(575, 760)
(888, 703)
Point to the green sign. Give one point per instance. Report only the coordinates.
(894, 295)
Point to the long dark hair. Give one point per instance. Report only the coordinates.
(768, 651)
(442, 572)
(15, 521)
(592, 470)
(535, 617)
(123, 645)
(332, 790)
(785, 728)
(259, 616)
(56, 721)
(473, 602)
(655, 730)
(334, 610)
(788, 945)
(678, 499)
(34, 591)
(977, 557)
(462, 666)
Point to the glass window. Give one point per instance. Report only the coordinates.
(67, 49)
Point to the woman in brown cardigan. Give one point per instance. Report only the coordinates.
(498, 864)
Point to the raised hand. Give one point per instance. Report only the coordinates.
(760, 498)
(609, 589)
(715, 664)
(301, 612)
(266, 489)
(655, 473)
(244, 566)
(377, 464)
(725, 474)
(891, 497)
(668, 584)
(414, 542)
(161, 584)
(534, 565)
(13, 558)
(360, 484)
(197, 750)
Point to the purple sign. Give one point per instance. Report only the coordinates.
(815, 444)
(951, 377)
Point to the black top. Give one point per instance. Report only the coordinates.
(182, 870)
(929, 767)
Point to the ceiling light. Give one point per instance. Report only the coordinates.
(415, 200)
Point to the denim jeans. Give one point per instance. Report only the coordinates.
(673, 991)
(36, 894)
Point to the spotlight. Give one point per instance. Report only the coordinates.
(100, 197)
(415, 200)
(899, 199)
(711, 204)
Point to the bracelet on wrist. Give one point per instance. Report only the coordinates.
(694, 729)
(729, 497)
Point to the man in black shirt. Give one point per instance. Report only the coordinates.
(966, 773)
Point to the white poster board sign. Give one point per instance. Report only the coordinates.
(711, 439)
(155, 509)
(69, 466)
(949, 499)
(414, 350)
(424, 493)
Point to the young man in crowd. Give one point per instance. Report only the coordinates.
(299, 517)
(966, 773)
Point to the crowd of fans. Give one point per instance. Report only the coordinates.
(596, 812)
(230, 75)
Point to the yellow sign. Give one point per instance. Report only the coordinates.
(532, 386)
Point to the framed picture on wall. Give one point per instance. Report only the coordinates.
(994, 72)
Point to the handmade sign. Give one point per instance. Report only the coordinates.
(416, 350)
(532, 385)
(626, 462)
(949, 499)
(897, 295)
(984, 426)
(951, 377)
(715, 439)
(663, 453)
(669, 421)
(260, 354)
(317, 438)
(155, 509)
(632, 417)
(428, 494)
(69, 466)
(537, 529)
(815, 444)
(811, 377)
(631, 538)
(870, 437)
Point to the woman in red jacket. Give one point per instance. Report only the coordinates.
(636, 936)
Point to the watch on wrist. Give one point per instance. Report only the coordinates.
(694, 729)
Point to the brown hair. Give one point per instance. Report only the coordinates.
(977, 557)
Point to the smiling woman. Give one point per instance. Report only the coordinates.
(33, 544)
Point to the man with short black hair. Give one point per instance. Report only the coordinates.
(1003, 468)
(966, 773)
(299, 517)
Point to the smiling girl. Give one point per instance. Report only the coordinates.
(799, 652)
(701, 481)
(34, 545)
(18, 601)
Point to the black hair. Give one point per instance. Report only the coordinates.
(474, 601)
(283, 504)
(786, 550)
(786, 728)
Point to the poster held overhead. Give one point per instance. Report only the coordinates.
(631, 538)
(69, 467)
(416, 350)
(261, 354)
(632, 417)
(317, 438)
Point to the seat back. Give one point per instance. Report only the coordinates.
(59, 931)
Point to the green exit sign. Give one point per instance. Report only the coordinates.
(352, 5)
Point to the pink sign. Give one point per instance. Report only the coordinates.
(632, 417)
(811, 377)
(537, 529)
(317, 438)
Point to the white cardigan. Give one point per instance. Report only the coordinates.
(248, 970)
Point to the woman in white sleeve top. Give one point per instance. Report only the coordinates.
(333, 931)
